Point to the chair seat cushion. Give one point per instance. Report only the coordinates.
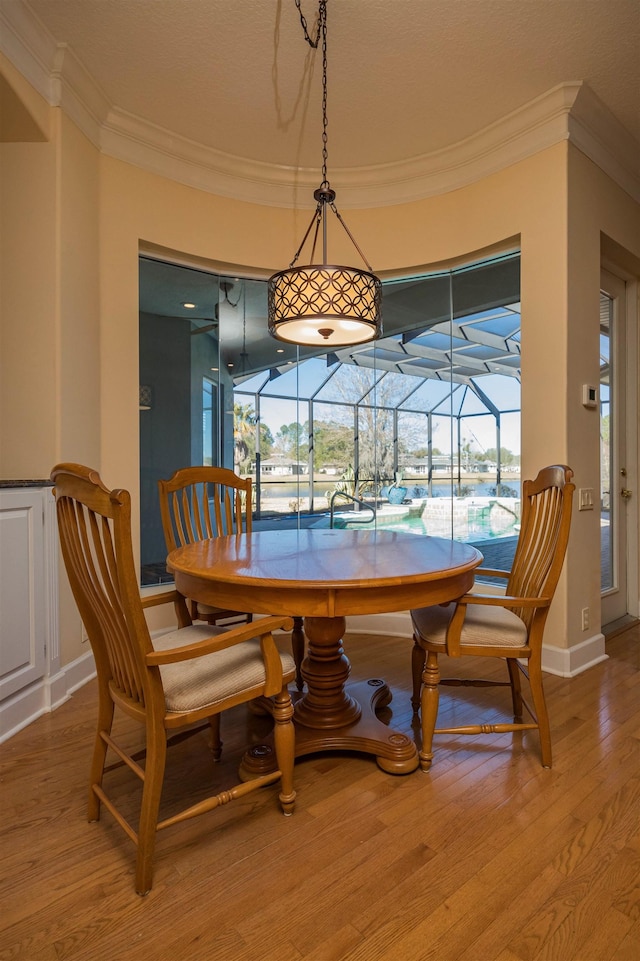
(208, 680)
(484, 626)
(204, 610)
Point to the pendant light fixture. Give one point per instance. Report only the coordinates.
(323, 304)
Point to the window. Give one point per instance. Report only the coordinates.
(209, 412)
(423, 425)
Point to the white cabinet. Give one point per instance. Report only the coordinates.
(29, 645)
(23, 656)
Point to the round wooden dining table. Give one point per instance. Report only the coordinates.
(324, 575)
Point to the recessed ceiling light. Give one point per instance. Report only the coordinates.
(215, 368)
(229, 365)
(190, 306)
(279, 350)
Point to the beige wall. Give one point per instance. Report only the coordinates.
(79, 300)
(49, 310)
(596, 207)
(527, 200)
(140, 207)
(89, 213)
(27, 309)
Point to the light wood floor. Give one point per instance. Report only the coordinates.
(487, 858)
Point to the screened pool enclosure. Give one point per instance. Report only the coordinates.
(419, 430)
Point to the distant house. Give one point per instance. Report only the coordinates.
(415, 466)
(282, 466)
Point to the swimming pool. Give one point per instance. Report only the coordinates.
(468, 520)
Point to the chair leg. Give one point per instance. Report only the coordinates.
(216, 743)
(297, 646)
(540, 707)
(429, 708)
(516, 691)
(417, 666)
(284, 743)
(105, 722)
(151, 792)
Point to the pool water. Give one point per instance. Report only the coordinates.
(478, 526)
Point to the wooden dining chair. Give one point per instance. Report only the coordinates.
(509, 626)
(186, 676)
(197, 503)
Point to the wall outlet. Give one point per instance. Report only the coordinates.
(585, 618)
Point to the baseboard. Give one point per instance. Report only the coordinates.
(571, 661)
(44, 695)
(565, 662)
(396, 624)
(47, 694)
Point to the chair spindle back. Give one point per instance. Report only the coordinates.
(198, 503)
(94, 527)
(544, 533)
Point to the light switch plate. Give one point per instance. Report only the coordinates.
(585, 499)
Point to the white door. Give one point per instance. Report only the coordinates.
(618, 494)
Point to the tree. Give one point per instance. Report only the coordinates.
(332, 445)
(244, 437)
(375, 422)
(292, 441)
(244, 421)
(507, 457)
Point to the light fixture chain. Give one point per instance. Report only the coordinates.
(319, 302)
(321, 31)
(312, 43)
(325, 151)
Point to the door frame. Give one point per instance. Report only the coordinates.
(627, 320)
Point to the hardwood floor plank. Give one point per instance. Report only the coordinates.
(489, 857)
(627, 949)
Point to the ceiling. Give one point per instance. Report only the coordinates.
(233, 82)
(407, 78)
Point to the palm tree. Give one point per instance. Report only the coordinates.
(244, 422)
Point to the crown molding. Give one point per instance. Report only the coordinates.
(597, 133)
(570, 111)
(78, 95)
(532, 128)
(29, 46)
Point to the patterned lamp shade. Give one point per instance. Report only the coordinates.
(145, 397)
(327, 305)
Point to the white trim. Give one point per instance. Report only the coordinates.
(51, 588)
(522, 133)
(569, 111)
(562, 661)
(49, 693)
(571, 661)
(395, 625)
(28, 45)
(78, 94)
(44, 696)
(594, 130)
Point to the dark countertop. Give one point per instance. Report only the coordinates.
(4, 484)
